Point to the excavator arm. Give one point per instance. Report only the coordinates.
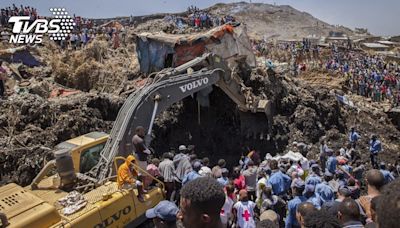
(169, 87)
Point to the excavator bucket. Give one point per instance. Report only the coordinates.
(254, 125)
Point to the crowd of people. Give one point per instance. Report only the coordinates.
(13, 10)
(85, 31)
(337, 190)
(367, 75)
(199, 19)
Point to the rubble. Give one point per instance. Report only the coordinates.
(76, 92)
(31, 125)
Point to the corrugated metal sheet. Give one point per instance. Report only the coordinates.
(375, 45)
(225, 41)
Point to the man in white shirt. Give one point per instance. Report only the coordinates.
(243, 211)
(205, 171)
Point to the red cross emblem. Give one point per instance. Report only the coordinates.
(246, 215)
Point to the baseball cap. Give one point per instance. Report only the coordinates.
(342, 161)
(197, 165)
(164, 210)
(224, 170)
(309, 188)
(314, 166)
(182, 147)
(328, 174)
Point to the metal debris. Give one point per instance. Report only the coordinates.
(72, 202)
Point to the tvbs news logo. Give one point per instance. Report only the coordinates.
(29, 32)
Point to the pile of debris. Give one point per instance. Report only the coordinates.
(30, 126)
(73, 92)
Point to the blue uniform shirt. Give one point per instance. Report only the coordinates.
(325, 191)
(315, 200)
(292, 207)
(279, 182)
(354, 136)
(190, 176)
(224, 181)
(313, 179)
(387, 175)
(375, 146)
(342, 183)
(331, 164)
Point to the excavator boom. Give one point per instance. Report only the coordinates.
(169, 87)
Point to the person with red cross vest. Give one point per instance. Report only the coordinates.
(243, 211)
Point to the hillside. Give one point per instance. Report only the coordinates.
(283, 22)
(262, 21)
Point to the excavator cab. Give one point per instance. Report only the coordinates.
(85, 150)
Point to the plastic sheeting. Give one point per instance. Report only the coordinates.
(152, 55)
(289, 155)
(345, 100)
(72, 202)
(19, 55)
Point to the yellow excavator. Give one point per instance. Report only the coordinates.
(38, 205)
(78, 188)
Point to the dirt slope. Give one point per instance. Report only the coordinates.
(282, 22)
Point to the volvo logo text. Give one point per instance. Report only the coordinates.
(113, 218)
(193, 85)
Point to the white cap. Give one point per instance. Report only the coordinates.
(182, 147)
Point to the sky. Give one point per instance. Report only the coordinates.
(380, 17)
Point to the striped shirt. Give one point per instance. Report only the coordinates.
(167, 170)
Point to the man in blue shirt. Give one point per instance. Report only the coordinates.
(353, 137)
(313, 178)
(224, 180)
(324, 190)
(194, 174)
(279, 182)
(309, 193)
(375, 147)
(331, 162)
(386, 173)
(297, 190)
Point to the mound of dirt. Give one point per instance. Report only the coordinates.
(31, 125)
(277, 21)
(97, 67)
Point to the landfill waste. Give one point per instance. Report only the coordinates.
(75, 92)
